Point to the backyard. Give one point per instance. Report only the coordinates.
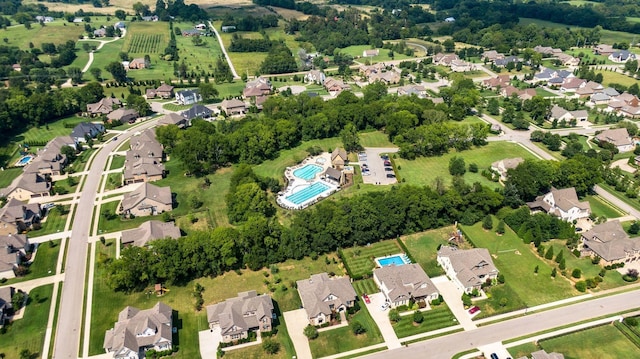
(359, 259)
(423, 248)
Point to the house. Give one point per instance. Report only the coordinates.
(17, 217)
(174, 119)
(619, 137)
(468, 269)
(258, 87)
(44, 19)
(124, 115)
(233, 107)
(572, 84)
(367, 70)
(546, 50)
(165, 91)
(491, 56)
(101, 32)
(370, 53)
(450, 19)
(560, 114)
(563, 203)
(630, 111)
(322, 297)
(139, 63)
(13, 251)
(191, 32)
(541, 354)
(506, 61)
(146, 145)
(196, 111)
(6, 303)
(150, 231)
(137, 331)
(150, 18)
(119, 25)
(589, 88)
(503, 166)
(31, 185)
(238, 316)
(409, 90)
(444, 60)
(622, 56)
(85, 130)
(610, 242)
(104, 106)
(339, 157)
(188, 97)
(228, 28)
(335, 86)
(527, 94)
(78, 20)
(147, 200)
(334, 174)
(496, 82)
(142, 169)
(50, 160)
(200, 27)
(314, 76)
(568, 60)
(400, 284)
(603, 49)
(509, 91)
(600, 98)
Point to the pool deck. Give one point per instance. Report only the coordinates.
(296, 184)
(401, 256)
(19, 163)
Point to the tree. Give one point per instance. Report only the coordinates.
(310, 332)
(25, 354)
(504, 301)
(96, 73)
(576, 273)
(394, 315)
(197, 40)
(581, 286)
(350, 138)
(18, 300)
(493, 106)
(207, 91)
(270, 346)
(487, 222)
(549, 254)
(449, 45)
(116, 70)
(120, 14)
(535, 270)
(466, 300)
(418, 317)
(357, 327)
(554, 272)
(560, 256)
(500, 228)
(138, 103)
(457, 166)
(69, 152)
(562, 265)
(75, 74)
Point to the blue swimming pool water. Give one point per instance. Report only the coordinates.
(307, 172)
(308, 193)
(24, 160)
(387, 261)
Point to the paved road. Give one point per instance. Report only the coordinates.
(617, 202)
(448, 346)
(68, 330)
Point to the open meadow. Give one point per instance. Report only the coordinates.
(57, 32)
(607, 36)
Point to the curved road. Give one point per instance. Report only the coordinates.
(447, 346)
(67, 340)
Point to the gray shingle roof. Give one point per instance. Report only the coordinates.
(242, 313)
(316, 291)
(149, 231)
(405, 281)
(132, 322)
(145, 194)
(609, 241)
(472, 266)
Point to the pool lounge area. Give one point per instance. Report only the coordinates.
(394, 259)
(306, 184)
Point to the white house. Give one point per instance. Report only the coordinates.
(563, 203)
(467, 269)
(188, 97)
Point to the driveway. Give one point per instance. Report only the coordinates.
(377, 174)
(451, 296)
(209, 341)
(382, 320)
(296, 321)
(497, 348)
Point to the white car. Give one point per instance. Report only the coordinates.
(384, 306)
(48, 205)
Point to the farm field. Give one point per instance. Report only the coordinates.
(424, 170)
(607, 36)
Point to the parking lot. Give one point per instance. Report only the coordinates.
(376, 169)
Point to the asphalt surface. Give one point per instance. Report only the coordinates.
(447, 346)
(67, 340)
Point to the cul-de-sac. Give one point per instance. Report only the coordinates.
(302, 179)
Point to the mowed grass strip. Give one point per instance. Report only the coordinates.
(341, 340)
(365, 286)
(610, 77)
(588, 344)
(55, 222)
(28, 332)
(437, 318)
(44, 264)
(602, 208)
(423, 247)
(117, 162)
(375, 139)
(8, 175)
(49, 131)
(360, 259)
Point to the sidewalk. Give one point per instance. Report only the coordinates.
(355, 351)
(50, 237)
(27, 286)
(533, 309)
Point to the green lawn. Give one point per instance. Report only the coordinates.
(517, 260)
(117, 162)
(56, 32)
(437, 318)
(342, 339)
(365, 286)
(81, 161)
(64, 186)
(383, 55)
(50, 131)
(28, 332)
(217, 289)
(55, 222)
(7, 176)
(630, 201)
(601, 208)
(360, 259)
(423, 247)
(424, 170)
(588, 344)
(44, 264)
(606, 36)
(523, 350)
(610, 77)
(114, 180)
(375, 139)
(544, 93)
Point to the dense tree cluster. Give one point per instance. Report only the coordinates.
(280, 60)
(250, 23)
(165, 9)
(241, 44)
(539, 227)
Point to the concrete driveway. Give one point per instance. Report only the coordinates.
(452, 296)
(382, 320)
(296, 321)
(497, 348)
(209, 341)
(377, 174)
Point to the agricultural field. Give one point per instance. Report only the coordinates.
(607, 36)
(145, 44)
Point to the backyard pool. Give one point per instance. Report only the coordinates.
(396, 260)
(308, 172)
(24, 160)
(308, 193)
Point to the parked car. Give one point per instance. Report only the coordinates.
(48, 205)
(366, 298)
(387, 163)
(473, 310)
(115, 138)
(385, 157)
(384, 306)
(391, 175)
(388, 169)
(494, 356)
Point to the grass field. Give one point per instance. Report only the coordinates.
(423, 247)
(8, 175)
(50, 131)
(437, 318)
(424, 170)
(55, 222)
(582, 3)
(383, 54)
(610, 77)
(28, 332)
(587, 344)
(44, 264)
(365, 286)
(216, 290)
(607, 36)
(360, 259)
(56, 32)
(517, 260)
(602, 208)
(342, 339)
(117, 162)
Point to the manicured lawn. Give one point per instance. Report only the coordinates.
(423, 247)
(82, 159)
(175, 108)
(523, 350)
(50, 131)
(436, 318)
(631, 202)
(342, 339)
(55, 222)
(117, 162)
(610, 77)
(44, 264)
(103, 57)
(360, 259)
(544, 93)
(588, 344)
(383, 55)
(517, 260)
(64, 186)
(7, 176)
(217, 289)
(606, 36)
(365, 286)
(493, 305)
(256, 351)
(424, 170)
(28, 332)
(114, 180)
(118, 224)
(375, 139)
(602, 208)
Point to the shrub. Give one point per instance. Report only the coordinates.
(394, 315)
(270, 346)
(631, 321)
(487, 222)
(357, 327)
(576, 253)
(581, 286)
(473, 168)
(501, 278)
(631, 276)
(576, 273)
(500, 228)
(549, 254)
(310, 332)
(563, 264)
(554, 272)
(466, 300)
(418, 317)
(504, 301)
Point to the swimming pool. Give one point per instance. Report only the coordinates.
(396, 259)
(308, 193)
(24, 160)
(308, 172)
